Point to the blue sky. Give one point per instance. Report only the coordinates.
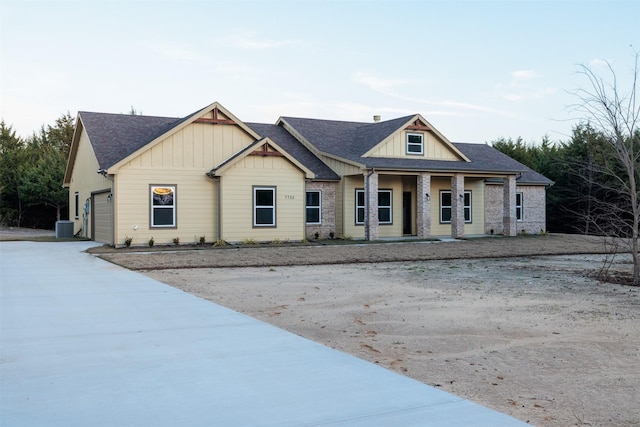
(476, 70)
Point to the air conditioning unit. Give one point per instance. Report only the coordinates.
(64, 229)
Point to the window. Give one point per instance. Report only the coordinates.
(163, 206)
(314, 207)
(519, 207)
(415, 143)
(385, 207)
(76, 198)
(445, 206)
(360, 206)
(264, 206)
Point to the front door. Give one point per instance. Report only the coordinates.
(406, 213)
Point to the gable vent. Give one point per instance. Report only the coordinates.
(376, 118)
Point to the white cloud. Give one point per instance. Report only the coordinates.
(598, 63)
(251, 41)
(175, 51)
(520, 75)
(379, 84)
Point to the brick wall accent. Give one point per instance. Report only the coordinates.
(372, 205)
(534, 205)
(423, 218)
(328, 212)
(457, 205)
(509, 206)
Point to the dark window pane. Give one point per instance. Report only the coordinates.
(264, 216)
(359, 198)
(313, 215)
(360, 215)
(446, 199)
(446, 214)
(162, 217)
(313, 198)
(384, 198)
(415, 139)
(264, 197)
(384, 215)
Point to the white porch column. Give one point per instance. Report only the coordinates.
(371, 208)
(509, 206)
(457, 205)
(423, 216)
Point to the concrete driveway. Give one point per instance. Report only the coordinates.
(84, 342)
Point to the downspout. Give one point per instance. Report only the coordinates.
(216, 179)
(219, 203)
(367, 230)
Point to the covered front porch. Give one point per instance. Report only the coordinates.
(424, 204)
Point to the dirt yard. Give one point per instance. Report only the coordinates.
(532, 336)
(516, 324)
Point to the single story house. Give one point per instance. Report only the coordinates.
(211, 175)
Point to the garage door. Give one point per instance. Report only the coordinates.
(102, 219)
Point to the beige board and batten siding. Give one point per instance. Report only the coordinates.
(237, 184)
(182, 159)
(195, 205)
(85, 179)
(396, 146)
(476, 186)
(385, 182)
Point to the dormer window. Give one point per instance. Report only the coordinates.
(415, 143)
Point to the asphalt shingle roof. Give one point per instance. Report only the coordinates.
(116, 136)
(350, 140)
(291, 145)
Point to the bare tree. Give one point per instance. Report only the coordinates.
(615, 113)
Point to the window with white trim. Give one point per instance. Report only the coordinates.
(385, 207)
(360, 207)
(415, 143)
(314, 207)
(519, 211)
(264, 206)
(445, 207)
(163, 205)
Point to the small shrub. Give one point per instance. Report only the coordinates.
(127, 241)
(249, 241)
(202, 240)
(523, 232)
(220, 242)
(316, 235)
(151, 242)
(345, 237)
(332, 235)
(276, 241)
(176, 241)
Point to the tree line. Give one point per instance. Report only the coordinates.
(31, 174)
(588, 180)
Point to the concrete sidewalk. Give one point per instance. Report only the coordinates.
(84, 342)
